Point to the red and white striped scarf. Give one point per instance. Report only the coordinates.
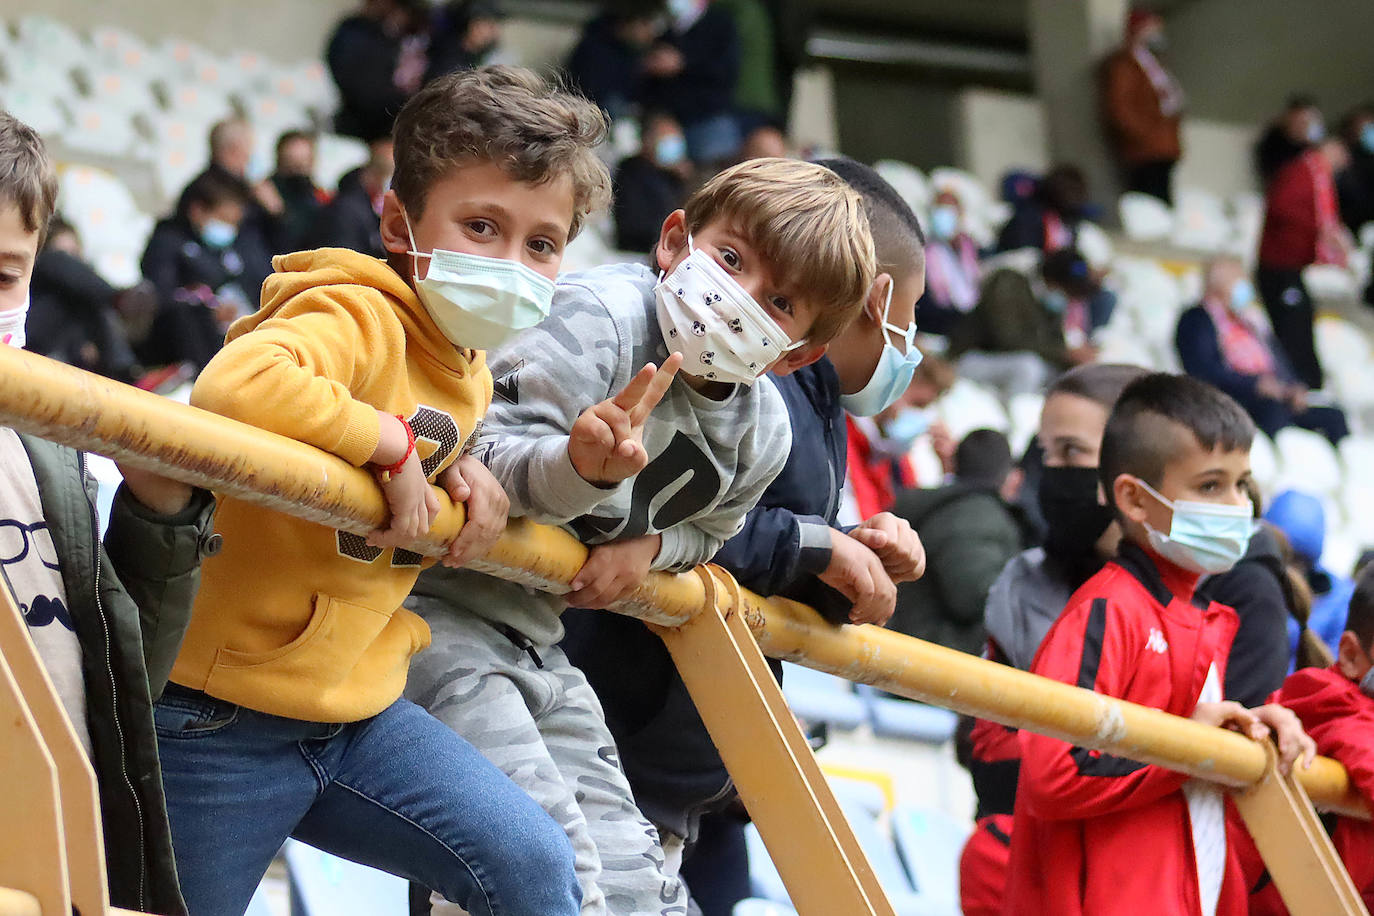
(1243, 346)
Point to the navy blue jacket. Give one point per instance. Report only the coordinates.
(665, 750)
(1199, 350)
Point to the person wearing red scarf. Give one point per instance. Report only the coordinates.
(1142, 105)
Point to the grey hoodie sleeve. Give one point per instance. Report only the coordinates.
(691, 543)
(542, 381)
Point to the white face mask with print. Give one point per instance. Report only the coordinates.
(12, 325)
(721, 332)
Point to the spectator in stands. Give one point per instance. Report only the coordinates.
(1301, 227)
(651, 184)
(198, 273)
(351, 219)
(607, 64)
(73, 315)
(764, 142)
(1026, 599)
(1355, 185)
(1175, 453)
(295, 183)
(464, 34)
(105, 620)
(792, 23)
(1336, 707)
(1049, 219)
(1225, 340)
(1302, 519)
(1269, 598)
(693, 72)
(953, 273)
(231, 151)
(1142, 105)
(1299, 128)
(1021, 333)
(377, 58)
(970, 529)
(756, 99)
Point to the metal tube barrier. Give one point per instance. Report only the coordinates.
(67, 405)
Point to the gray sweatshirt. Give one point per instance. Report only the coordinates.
(709, 460)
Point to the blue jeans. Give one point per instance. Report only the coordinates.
(400, 792)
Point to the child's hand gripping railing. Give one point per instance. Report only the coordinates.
(704, 619)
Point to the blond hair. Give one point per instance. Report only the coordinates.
(28, 181)
(533, 130)
(807, 224)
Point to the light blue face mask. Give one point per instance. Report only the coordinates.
(671, 149)
(1057, 301)
(907, 426)
(894, 370)
(1367, 137)
(1207, 538)
(1242, 294)
(480, 302)
(944, 221)
(218, 234)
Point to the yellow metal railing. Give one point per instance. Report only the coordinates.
(715, 630)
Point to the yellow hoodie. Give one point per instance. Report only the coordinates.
(293, 618)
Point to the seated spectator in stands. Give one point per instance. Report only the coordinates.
(295, 183)
(352, 218)
(764, 141)
(952, 270)
(1142, 105)
(1302, 519)
(377, 58)
(198, 274)
(1301, 227)
(1355, 185)
(1049, 219)
(651, 184)
(1336, 707)
(1021, 333)
(970, 529)
(607, 64)
(1225, 340)
(1299, 128)
(1263, 591)
(756, 100)
(231, 152)
(693, 72)
(465, 34)
(72, 313)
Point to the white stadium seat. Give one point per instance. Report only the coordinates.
(116, 47)
(174, 165)
(42, 110)
(1200, 220)
(1307, 462)
(117, 89)
(196, 102)
(908, 181)
(98, 129)
(1095, 246)
(1024, 412)
(1144, 218)
(1327, 282)
(1264, 463)
(335, 156)
(968, 406)
(51, 40)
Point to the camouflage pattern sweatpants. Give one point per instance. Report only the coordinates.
(544, 728)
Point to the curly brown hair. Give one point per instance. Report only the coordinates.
(27, 178)
(532, 129)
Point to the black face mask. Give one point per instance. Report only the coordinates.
(1075, 519)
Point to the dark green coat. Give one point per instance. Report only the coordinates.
(130, 601)
(969, 534)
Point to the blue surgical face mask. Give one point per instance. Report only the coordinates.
(1206, 538)
(670, 149)
(1367, 137)
(1242, 295)
(1056, 300)
(944, 221)
(907, 426)
(1316, 132)
(218, 234)
(479, 302)
(894, 370)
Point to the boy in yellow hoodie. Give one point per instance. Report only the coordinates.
(284, 716)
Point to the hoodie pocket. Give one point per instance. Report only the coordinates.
(321, 657)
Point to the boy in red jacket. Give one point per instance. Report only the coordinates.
(1336, 707)
(1097, 834)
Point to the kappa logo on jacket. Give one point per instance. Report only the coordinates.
(1156, 642)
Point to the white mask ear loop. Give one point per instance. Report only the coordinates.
(415, 268)
(908, 333)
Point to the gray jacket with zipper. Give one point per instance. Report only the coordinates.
(130, 601)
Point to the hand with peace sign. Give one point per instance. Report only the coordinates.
(606, 444)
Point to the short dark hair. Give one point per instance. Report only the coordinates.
(534, 130)
(983, 458)
(1101, 383)
(1069, 270)
(897, 237)
(1360, 619)
(211, 188)
(28, 180)
(1133, 444)
(291, 136)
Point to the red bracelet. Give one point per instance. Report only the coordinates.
(384, 474)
